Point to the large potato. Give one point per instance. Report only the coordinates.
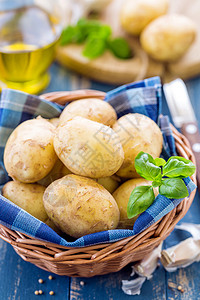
(54, 121)
(29, 154)
(27, 196)
(122, 195)
(88, 148)
(80, 206)
(59, 170)
(168, 37)
(92, 109)
(137, 133)
(137, 14)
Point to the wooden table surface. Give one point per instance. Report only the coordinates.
(19, 279)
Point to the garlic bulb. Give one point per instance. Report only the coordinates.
(184, 253)
(148, 265)
(133, 287)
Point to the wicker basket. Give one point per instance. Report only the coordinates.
(102, 258)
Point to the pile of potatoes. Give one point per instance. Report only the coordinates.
(76, 173)
(164, 37)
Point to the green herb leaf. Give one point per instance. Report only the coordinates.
(145, 167)
(173, 188)
(160, 162)
(120, 48)
(94, 47)
(140, 199)
(156, 183)
(178, 167)
(71, 34)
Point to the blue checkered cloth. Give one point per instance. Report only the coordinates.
(142, 97)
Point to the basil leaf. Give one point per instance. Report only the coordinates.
(156, 183)
(178, 167)
(173, 188)
(145, 167)
(160, 162)
(71, 35)
(140, 199)
(120, 48)
(94, 47)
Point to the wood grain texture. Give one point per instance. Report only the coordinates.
(19, 280)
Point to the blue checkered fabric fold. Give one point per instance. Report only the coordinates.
(142, 97)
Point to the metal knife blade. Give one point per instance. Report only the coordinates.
(184, 117)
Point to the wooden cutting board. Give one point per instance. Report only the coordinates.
(110, 69)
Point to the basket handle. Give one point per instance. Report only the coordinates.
(69, 96)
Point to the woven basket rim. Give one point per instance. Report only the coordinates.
(102, 258)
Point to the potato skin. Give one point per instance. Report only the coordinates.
(54, 121)
(88, 148)
(137, 133)
(80, 206)
(27, 196)
(137, 14)
(122, 195)
(168, 37)
(29, 154)
(59, 170)
(109, 183)
(93, 109)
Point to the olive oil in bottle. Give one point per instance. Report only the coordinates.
(28, 37)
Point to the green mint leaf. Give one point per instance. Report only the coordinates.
(140, 199)
(94, 47)
(93, 27)
(104, 32)
(178, 167)
(156, 183)
(145, 167)
(159, 162)
(71, 34)
(173, 188)
(120, 48)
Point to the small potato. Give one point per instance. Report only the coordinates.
(80, 206)
(59, 170)
(137, 133)
(88, 148)
(122, 195)
(93, 109)
(137, 14)
(29, 154)
(109, 183)
(27, 196)
(168, 37)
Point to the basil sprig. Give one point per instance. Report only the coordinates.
(97, 38)
(167, 176)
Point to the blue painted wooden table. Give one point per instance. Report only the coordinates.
(19, 279)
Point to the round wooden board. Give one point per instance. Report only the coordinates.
(108, 68)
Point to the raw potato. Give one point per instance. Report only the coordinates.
(54, 121)
(29, 154)
(122, 195)
(27, 196)
(168, 37)
(92, 109)
(59, 170)
(137, 133)
(137, 14)
(109, 183)
(80, 206)
(88, 148)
